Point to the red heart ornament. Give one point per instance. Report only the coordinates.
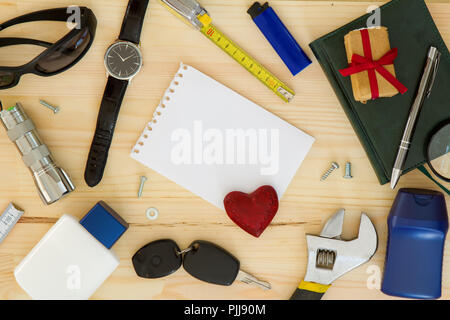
(252, 212)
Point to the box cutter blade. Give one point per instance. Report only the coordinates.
(329, 257)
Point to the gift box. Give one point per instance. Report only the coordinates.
(371, 64)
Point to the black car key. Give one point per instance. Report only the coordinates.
(208, 262)
(211, 263)
(157, 259)
(203, 260)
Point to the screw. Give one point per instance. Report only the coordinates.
(334, 166)
(348, 171)
(45, 104)
(141, 186)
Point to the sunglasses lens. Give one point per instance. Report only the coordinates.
(65, 54)
(439, 152)
(6, 78)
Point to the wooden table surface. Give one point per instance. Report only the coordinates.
(279, 255)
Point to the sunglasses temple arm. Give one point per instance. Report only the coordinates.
(60, 14)
(4, 42)
(425, 172)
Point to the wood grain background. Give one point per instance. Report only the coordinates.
(279, 256)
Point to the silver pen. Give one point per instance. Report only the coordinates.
(426, 84)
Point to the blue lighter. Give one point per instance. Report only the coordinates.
(279, 37)
(417, 224)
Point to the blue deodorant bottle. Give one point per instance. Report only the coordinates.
(418, 225)
(279, 37)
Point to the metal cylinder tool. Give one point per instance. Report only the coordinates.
(52, 181)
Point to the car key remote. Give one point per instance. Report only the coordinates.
(203, 260)
(157, 259)
(211, 263)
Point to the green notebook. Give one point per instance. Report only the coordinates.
(380, 123)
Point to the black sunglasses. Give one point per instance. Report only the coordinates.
(59, 56)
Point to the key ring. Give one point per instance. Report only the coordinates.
(184, 251)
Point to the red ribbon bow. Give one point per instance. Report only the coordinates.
(360, 64)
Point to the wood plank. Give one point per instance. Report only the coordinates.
(279, 256)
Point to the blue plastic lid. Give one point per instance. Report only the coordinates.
(106, 225)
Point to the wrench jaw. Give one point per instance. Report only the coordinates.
(348, 254)
(367, 235)
(333, 226)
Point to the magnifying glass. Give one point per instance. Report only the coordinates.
(438, 152)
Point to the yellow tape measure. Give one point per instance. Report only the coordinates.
(250, 64)
(191, 12)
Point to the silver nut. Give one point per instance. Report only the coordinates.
(152, 213)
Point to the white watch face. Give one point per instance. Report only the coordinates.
(123, 60)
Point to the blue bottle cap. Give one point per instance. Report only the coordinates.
(104, 224)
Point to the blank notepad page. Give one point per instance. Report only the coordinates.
(211, 140)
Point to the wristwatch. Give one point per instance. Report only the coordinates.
(123, 61)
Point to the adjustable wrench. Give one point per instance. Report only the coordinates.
(329, 257)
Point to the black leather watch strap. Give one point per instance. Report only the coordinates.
(133, 21)
(106, 123)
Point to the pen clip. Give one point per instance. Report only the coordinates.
(187, 10)
(435, 70)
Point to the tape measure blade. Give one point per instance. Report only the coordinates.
(247, 61)
(8, 220)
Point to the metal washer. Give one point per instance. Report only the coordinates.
(152, 213)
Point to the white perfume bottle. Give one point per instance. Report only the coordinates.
(74, 258)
